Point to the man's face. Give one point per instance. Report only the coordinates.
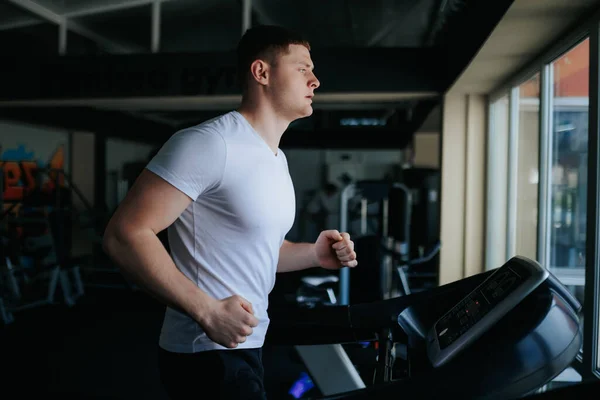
(292, 83)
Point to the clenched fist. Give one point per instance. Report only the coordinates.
(230, 321)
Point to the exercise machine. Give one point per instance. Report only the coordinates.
(372, 199)
(35, 246)
(379, 217)
(495, 335)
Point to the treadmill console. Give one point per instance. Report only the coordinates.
(482, 308)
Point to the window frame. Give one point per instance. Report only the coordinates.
(587, 364)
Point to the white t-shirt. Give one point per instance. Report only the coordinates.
(227, 240)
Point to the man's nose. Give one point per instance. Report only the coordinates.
(314, 83)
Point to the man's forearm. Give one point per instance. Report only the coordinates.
(142, 257)
(296, 256)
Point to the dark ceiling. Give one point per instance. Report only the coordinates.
(64, 55)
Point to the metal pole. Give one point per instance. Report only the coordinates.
(156, 26)
(62, 37)
(385, 217)
(1, 190)
(246, 15)
(363, 216)
(347, 194)
(591, 308)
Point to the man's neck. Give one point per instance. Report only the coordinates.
(265, 122)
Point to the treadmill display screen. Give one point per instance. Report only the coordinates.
(475, 306)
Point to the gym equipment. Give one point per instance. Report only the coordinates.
(378, 193)
(495, 335)
(425, 185)
(35, 246)
(382, 238)
(31, 272)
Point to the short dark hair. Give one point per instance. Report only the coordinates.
(265, 42)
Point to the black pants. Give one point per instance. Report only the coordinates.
(233, 374)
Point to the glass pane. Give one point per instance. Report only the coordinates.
(497, 184)
(569, 151)
(527, 173)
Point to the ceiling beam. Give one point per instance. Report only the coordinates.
(104, 7)
(462, 45)
(108, 44)
(60, 20)
(127, 127)
(367, 137)
(322, 101)
(80, 12)
(104, 123)
(39, 10)
(19, 23)
(340, 71)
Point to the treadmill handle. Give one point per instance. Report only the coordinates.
(563, 292)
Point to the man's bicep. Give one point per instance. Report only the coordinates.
(152, 203)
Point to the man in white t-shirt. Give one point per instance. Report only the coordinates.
(223, 190)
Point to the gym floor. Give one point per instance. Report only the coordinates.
(104, 347)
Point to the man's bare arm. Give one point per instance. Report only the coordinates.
(296, 256)
(130, 240)
(332, 250)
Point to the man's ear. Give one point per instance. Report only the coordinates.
(260, 71)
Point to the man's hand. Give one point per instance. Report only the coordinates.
(230, 321)
(335, 250)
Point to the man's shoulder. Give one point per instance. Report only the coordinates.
(226, 118)
(220, 122)
(218, 125)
